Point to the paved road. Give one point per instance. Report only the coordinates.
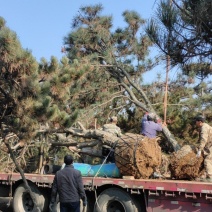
(4, 205)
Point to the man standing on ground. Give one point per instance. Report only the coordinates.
(68, 184)
(205, 146)
(149, 127)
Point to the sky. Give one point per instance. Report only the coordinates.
(41, 25)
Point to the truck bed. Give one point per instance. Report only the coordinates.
(143, 184)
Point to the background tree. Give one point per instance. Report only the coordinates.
(181, 31)
(184, 26)
(31, 94)
(122, 54)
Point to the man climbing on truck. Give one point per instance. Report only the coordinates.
(205, 146)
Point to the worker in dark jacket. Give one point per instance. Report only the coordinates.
(68, 184)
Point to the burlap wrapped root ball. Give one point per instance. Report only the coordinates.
(185, 165)
(137, 155)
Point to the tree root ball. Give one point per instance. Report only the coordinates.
(185, 165)
(137, 155)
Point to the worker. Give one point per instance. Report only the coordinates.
(149, 127)
(112, 126)
(205, 146)
(68, 184)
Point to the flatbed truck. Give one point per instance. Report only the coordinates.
(114, 194)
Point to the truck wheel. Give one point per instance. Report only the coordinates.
(114, 199)
(22, 200)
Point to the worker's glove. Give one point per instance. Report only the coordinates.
(198, 154)
(51, 206)
(157, 175)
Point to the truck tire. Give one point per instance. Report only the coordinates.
(23, 202)
(115, 199)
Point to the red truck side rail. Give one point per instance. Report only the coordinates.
(144, 184)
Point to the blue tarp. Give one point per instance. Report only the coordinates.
(105, 170)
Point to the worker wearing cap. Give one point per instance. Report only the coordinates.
(149, 127)
(205, 145)
(112, 126)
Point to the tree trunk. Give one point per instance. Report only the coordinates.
(22, 175)
(146, 106)
(171, 139)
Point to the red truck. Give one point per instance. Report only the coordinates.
(114, 194)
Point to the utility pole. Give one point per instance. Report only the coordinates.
(168, 63)
(166, 87)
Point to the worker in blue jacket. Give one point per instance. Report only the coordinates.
(149, 127)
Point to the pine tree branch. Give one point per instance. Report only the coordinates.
(8, 137)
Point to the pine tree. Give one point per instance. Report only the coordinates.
(31, 94)
(182, 30)
(120, 55)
